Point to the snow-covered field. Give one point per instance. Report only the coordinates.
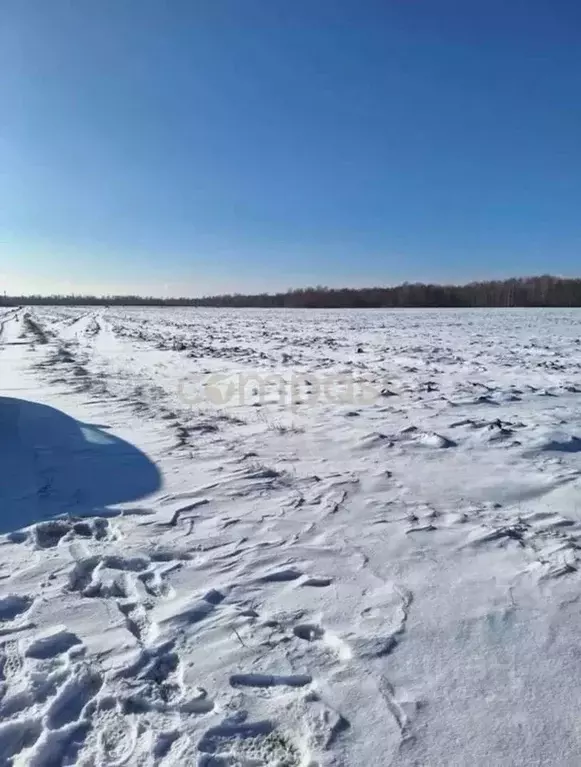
(290, 538)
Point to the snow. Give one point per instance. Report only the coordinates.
(299, 538)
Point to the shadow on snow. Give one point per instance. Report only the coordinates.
(53, 465)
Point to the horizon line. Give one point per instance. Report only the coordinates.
(319, 288)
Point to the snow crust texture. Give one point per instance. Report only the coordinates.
(263, 538)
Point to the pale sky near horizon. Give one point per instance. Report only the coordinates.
(206, 146)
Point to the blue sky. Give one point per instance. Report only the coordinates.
(201, 146)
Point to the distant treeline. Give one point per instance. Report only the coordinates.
(524, 291)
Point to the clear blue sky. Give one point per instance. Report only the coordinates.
(198, 146)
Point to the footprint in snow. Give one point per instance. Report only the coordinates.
(238, 742)
(14, 606)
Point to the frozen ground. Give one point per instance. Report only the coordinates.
(267, 538)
